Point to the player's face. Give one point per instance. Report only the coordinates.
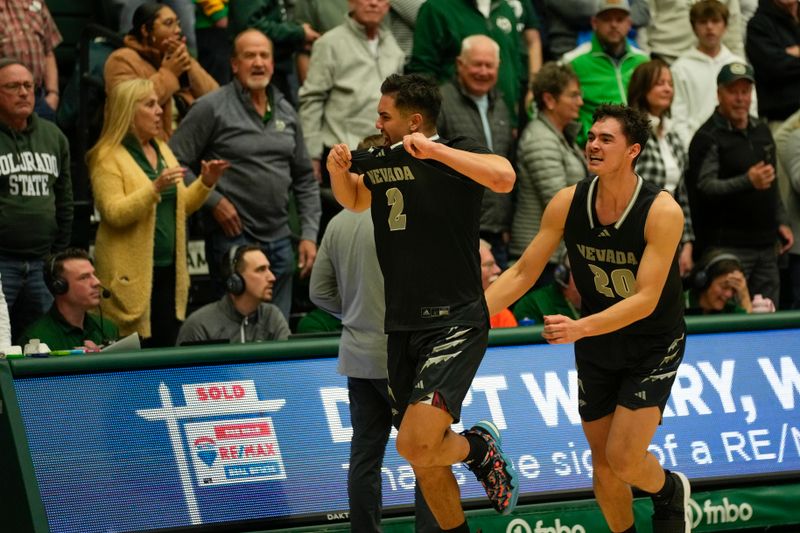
(253, 64)
(392, 123)
(16, 92)
(612, 26)
(259, 279)
(659, 97)
(607, 149)
(709, 32)
(84, 287)
(734, 101)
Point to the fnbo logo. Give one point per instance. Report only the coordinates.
(519, 525)
(724, 513)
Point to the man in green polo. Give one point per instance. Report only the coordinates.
(71, 278)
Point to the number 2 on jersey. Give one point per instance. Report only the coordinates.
(397, 219)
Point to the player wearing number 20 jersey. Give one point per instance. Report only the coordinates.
(426, 217)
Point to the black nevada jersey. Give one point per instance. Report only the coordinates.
(605, 259)
(426, 217)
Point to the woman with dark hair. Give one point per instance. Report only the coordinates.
(156, 50)
(664, 159)
(718, 285)
(549, 158)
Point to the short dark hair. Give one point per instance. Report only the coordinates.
(54, 266)
(708, 9)
(635, 124)
(552, 78)
(415, 93)
(233, 263)
(643, 79)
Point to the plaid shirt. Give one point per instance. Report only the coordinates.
(28, 33)
(650, 166)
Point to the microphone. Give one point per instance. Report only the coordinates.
(105, 293)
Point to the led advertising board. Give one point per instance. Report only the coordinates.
(178, 447)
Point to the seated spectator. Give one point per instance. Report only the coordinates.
(155, 50)
(244, 314)
(773, 47)
(696, 69)
(71, 279)
(718, 285)
(669, 34)
(490, 271)
(560, 297)
(143, 204)
(663, 160)
(548, 157)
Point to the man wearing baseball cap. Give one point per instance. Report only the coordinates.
(604, 64)
(733, 196)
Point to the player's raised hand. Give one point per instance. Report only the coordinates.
(418, 145)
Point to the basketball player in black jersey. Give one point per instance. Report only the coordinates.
(425, 194)
(622, 236)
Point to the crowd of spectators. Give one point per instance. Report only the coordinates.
(229, 107)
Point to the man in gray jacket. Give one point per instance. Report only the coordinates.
(472, 107)
(347, 282)
(249, 123)
(242, 315)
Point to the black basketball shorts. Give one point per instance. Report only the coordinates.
(633, 371)
(434, 366)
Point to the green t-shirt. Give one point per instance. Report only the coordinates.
(58, 334)
(164, 246)
(547, 300)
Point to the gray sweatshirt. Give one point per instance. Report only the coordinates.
(220, 320)
(268, 160)
(347, 282)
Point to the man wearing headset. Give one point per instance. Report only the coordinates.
(243, 314)
(71, 279)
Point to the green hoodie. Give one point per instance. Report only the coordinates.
(35, 190)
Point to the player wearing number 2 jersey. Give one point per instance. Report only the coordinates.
(622, 236)
(425, 194)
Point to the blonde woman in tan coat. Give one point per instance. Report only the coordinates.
(156, 50)
(138, 187)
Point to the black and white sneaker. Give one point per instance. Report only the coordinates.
(671, 515)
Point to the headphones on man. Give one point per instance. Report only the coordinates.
(54, 283)
(234, 282)
(702, 276)
(562, 272)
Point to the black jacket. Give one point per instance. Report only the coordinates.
(769, 33)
